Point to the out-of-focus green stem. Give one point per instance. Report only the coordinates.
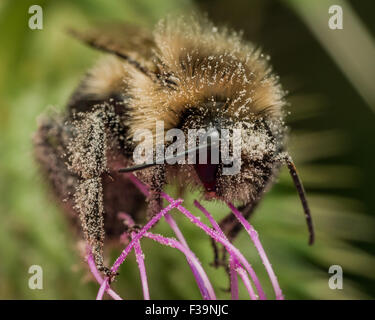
(352, 48)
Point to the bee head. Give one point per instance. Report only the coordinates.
(240, 155)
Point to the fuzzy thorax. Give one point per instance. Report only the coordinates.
(201, 65)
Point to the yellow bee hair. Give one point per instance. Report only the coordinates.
(201, 64)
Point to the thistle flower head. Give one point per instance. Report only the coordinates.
(238, 264)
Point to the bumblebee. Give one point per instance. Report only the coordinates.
(187, 73)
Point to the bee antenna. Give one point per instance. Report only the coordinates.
(178, 156)
(137, 167)
(302, 195)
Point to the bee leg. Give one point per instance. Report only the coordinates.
(89, 204)
(215, 263)
(50, 143)
(88, 161)
(156, 187)
(132, 228)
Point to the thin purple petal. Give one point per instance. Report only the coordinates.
(255, 238)
(217, 237)
(138, 255)
(190, 256)
(98, 277)
(142, 269)
(141, 233)
(200, 281)
(243, 274)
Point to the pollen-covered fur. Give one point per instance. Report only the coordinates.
(106, 77)
(201, 63)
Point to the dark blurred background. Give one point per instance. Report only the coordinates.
(330, 76)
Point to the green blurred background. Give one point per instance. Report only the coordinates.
(328, 74)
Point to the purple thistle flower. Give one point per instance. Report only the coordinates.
(238, 265)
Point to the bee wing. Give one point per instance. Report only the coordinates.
(129, 42)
